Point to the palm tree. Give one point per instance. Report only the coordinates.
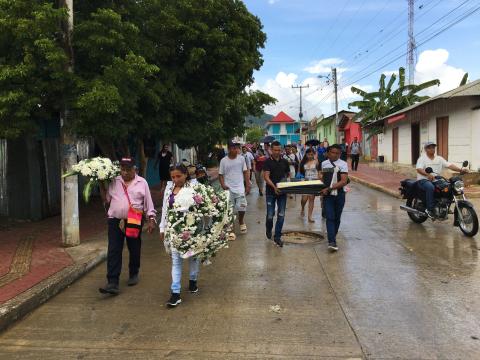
(378, 104)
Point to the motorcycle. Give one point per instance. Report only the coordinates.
(447, 192)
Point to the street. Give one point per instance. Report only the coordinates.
(394, 290)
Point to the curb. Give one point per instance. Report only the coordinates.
(27, 301)
(376, 187)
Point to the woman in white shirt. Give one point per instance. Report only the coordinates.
(180, 181)
(309, 169)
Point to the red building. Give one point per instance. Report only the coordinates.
(349, 127)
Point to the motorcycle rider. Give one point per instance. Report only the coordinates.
(437, 163)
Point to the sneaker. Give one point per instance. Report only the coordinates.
(278, 242)
(268, 234)
(430, 214)
(110, 288)
(333, 247)
(260, 193)
(192, 286)
(133, 280)
(174, 300)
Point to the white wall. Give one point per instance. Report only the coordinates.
(404, 142)
(475, 149)
(385, 145)
(463, 134)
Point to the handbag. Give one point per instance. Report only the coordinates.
(133, 225)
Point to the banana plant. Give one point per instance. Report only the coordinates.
(378, 104)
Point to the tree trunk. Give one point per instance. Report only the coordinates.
(143, 159)
(107, 149)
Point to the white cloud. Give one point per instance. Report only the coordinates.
(432, 64)
(317, 99)
(271, 2)
(324, 66)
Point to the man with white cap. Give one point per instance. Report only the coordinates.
(437, 163)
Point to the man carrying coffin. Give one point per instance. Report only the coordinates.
(334, 173)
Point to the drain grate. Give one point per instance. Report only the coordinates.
(301, 237)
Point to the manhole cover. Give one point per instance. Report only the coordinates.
(301, 237)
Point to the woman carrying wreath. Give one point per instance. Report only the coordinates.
(180, 182)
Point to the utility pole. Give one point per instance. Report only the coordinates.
(335, 87)
(70, 218)
(411, 42)
(300, 114)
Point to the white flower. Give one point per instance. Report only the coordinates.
(184, 199)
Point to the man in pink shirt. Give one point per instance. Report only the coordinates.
(115, 197)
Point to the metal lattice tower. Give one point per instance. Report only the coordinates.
(411, 42)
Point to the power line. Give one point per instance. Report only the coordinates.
(393, 34)
(331, 27)
(441, 31)
(403, 44)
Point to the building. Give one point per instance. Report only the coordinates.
(284, 129)
(312, 129)
(452, 120)
(326, 128)
(349, 128)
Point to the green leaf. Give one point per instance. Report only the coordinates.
(87, 189)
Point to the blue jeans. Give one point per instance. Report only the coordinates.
(429, 188)
(281, 204)
(177, 263)
(333, 211)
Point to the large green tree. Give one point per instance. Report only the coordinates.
(171, 69)
(378, 104)
(33, 76)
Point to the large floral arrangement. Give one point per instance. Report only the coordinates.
(95, 170)
(200, 222)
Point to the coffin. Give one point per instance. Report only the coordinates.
(310, 187)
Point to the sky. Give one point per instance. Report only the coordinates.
(362, 39)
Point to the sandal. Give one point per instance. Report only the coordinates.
(243, 229)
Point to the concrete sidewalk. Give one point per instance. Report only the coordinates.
(34, 266)
(389, 181)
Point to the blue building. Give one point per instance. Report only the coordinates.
(284, 129)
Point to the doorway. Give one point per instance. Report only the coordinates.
(395, 144)
(415, 142)
(442, 137)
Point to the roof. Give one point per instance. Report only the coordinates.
(341, 115)
(470, 89)
(281, 118)
(344, 119)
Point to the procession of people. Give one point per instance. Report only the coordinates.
(129, 202)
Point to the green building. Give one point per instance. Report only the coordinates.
(326, 129)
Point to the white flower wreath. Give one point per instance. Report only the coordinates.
(199, 222)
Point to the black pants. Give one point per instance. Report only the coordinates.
(355, 160)
(116, 238)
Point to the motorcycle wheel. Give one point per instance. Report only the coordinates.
(414, 217)
(469, 224)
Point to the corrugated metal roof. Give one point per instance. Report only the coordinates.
(470, 89)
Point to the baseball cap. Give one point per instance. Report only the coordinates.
(233, 144)
(429, 143)
(127, 161)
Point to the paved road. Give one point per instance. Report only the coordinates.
(395, 290)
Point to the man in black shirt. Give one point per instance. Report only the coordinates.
(275, 170)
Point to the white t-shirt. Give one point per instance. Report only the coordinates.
(248, 158)
(342, 165)
(232, 171)
(328, 175)
(437, 164)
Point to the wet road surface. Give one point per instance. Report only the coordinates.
(394, 290)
